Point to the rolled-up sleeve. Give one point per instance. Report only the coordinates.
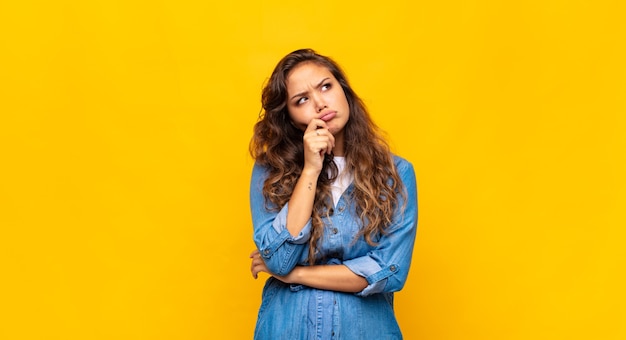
(280, 250)
(386, 266)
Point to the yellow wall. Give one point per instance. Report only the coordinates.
(124, 168)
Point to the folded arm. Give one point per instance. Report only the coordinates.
(383, 269)
(328, 277)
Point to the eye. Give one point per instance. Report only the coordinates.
(301, 100)
(326, 86)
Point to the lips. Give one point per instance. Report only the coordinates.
(328, 116)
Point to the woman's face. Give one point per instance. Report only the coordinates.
(313, 92)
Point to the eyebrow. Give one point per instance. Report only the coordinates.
(305, 92)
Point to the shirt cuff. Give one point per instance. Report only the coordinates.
(375, 275)
(280, 225)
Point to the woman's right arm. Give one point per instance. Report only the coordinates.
(301, 202)
(280, 250)
(317, 141)
(281, 238)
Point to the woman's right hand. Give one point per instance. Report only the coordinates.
(318, 140)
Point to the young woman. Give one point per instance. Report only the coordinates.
(334, 212)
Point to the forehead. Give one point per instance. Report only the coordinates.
(306, 75)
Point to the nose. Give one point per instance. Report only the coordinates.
(319, 103)
(321, 106)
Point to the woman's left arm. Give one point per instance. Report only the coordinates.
(328, 277)
(386, 266)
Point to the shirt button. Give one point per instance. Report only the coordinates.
(392, 268)
(335, 230)
(266, 251)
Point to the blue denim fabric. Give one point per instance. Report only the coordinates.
(300, 312)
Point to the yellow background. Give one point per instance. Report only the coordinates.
(124, 167)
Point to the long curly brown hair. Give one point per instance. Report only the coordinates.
(278, 145)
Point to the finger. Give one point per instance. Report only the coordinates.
(315, 124)
(327, 139)
(254, 252)
(257, 265)
(330, 143)
(254, 270)
(332, 138)
(316, 143)
(320, 140)
(257, 268)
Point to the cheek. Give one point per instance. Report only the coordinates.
(340, 98)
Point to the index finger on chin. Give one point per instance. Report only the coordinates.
(315, 124)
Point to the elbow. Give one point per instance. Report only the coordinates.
(395, 283)
(386, 285)
(282, 258)
(278, 268)
(278, 271)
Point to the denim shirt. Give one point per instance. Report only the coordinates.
(301, 312)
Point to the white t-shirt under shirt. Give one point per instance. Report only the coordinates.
(342, 181)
